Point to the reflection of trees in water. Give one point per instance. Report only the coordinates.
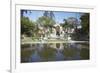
(47, 53)
(57, 46)
(39, 47)
(26, 54)
(84, 53)
(54, 52)
(57, 50)
(35, 57)
(69, 52)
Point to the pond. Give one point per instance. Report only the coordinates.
(44, 52)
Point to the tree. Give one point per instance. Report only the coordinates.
(27, 26)
(49, 14)
(24, 11)
(48, 18)
(69, 23)
(45, 21)
(85, 23)
(72, 22)
(65, 24)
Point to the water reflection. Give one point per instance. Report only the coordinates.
(54, 52)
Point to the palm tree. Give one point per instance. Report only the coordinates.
(50, 18)
(49, 14)
(24, 11)
(52, 15)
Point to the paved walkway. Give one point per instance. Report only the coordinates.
(58, 41)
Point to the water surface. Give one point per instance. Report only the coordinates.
(43, 52)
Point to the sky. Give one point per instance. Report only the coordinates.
(59, 16)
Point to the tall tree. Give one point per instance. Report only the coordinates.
(45, 21)
(49, 14)
(85, 22)
(25, 11)
(72, 21)
(65, 24)
(27, 26)
(22, 12)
